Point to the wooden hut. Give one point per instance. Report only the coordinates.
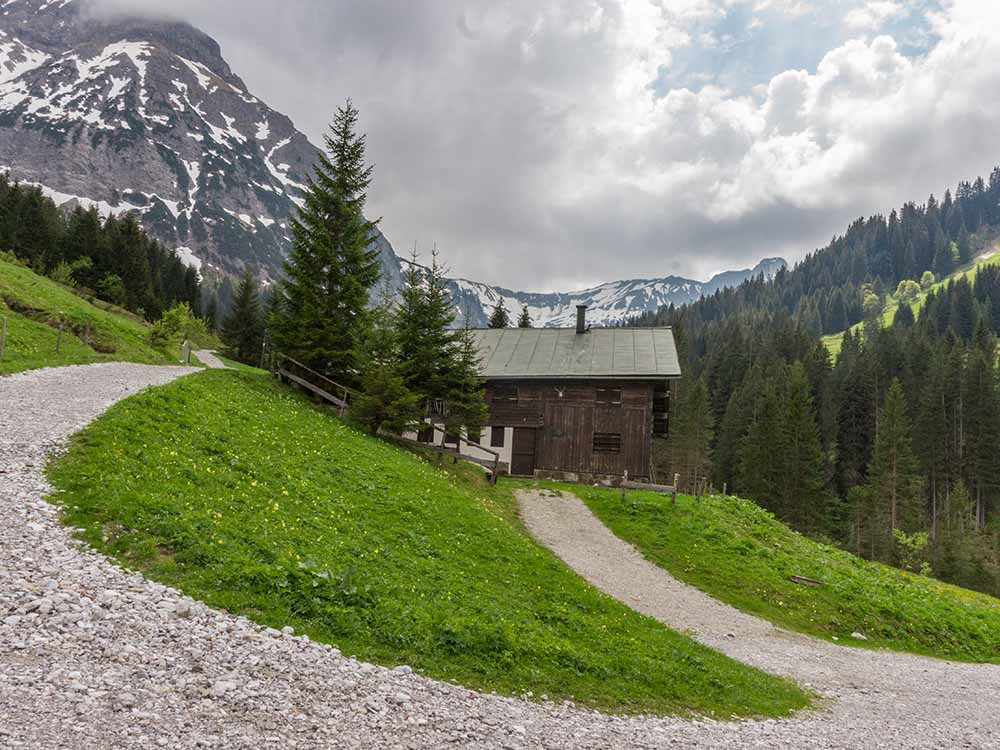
(578, 403)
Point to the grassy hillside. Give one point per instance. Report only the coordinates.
(737, 552)
(34, 305)
(834, 341)
(268, 506)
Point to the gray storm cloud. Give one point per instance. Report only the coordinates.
(526, 140)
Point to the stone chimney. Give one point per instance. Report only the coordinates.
(581, 319)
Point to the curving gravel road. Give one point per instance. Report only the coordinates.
(94, 657)
(878, 699)
(209, 359)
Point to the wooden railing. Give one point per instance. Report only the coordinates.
(663, 489)
(336, 394)
(495, 466)
(293, 371)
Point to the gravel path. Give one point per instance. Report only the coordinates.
(94, 657)
(209, 359)
(878, 698)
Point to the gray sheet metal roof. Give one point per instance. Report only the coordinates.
(528, 353)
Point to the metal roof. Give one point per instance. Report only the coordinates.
(539, 353)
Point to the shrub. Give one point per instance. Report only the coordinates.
(178, 323)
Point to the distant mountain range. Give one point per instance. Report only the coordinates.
(146, 116)
(609, 304)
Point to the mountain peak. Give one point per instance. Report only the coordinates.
(133, 114)
(127, 113)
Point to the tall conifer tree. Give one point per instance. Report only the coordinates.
(893, 478)
(806, 493)
(500, 318)
(243, 328)
(322, 305)
(384, 399)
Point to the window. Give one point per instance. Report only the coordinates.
(474, 436)
(497, 437)
(661, 412)
(505, 393)
(426, 435)
(609, 396)
(607, 442)
(450, 440)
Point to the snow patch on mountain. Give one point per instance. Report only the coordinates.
(610, 304)
(189, 259)
(146, 116)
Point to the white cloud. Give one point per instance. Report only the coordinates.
(525, 138)
(873, 15)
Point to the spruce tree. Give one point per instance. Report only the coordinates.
(466, 398)
(692, 433)
(321, 311)
(964, 245)
(954, 557)
(524, 321)
(440, 364)
(981, 427)
(427, 343)
(212, 313)
(806, 496)
(893, 477)
(243, 328)
(499, 318)
(761, 469)
(384, 399)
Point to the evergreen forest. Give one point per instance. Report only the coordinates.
(111, 257)
(890, 447)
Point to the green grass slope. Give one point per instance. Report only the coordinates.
(266, 505)
(739, 553)
(33, 306)
(834, 341)
(232, 364)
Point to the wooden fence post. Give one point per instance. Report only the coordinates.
(186, 352)
(3, 334)
(677, 483)
(59, 337)
(86, 334)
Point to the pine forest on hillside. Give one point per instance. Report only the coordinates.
(890, 448)
(112, 257)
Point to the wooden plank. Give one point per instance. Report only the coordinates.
(339, 403)
(484, 462)
(805, 581)
(523, 414)
(663, 489)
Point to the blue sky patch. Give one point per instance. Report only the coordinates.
(746, 47)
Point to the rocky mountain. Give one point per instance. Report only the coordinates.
(609, 304)
(134, 114)
(146, 116)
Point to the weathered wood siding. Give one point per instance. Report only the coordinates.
(567, 415)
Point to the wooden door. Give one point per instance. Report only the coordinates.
(522, 459)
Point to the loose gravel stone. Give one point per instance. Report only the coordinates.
(877, 698)
(116, 661)
(210, 360)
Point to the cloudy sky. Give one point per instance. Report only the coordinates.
(551, 144)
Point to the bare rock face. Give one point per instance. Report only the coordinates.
(146, 116)
(140, 115)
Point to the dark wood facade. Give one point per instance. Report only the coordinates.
(580, 428)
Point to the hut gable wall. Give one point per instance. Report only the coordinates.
(598, 427)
